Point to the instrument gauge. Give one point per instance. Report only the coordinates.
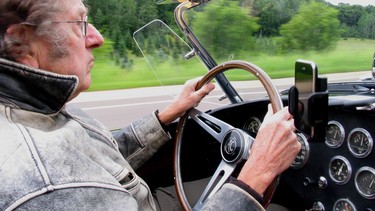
(335, 134)
(304, 153)
(365, 182)
(252, 125)
(344, 204)
(360, 142)
(340, 170)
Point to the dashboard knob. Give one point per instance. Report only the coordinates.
(317, 206)
(307, 181)
(322, 183)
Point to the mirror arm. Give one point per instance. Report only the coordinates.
(202, 53)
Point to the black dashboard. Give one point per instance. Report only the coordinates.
(340, 170)
(334, 173)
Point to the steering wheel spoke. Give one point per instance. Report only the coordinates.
(221, 175)
(217, 128)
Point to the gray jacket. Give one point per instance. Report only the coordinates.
(55, 157)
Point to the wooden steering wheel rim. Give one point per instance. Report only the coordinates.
(276, 103)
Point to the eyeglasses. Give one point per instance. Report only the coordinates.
(83, 23)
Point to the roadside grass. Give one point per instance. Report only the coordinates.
(350, 55)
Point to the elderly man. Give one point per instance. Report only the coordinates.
(55, 157)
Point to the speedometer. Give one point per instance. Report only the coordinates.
(360, 142)
(335, 134)
(304, 153)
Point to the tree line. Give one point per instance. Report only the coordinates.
(282, 24)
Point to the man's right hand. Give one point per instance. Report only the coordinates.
(273, 151)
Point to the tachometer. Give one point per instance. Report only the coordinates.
(340, 170)
(344, 204)
(335, 134)
(252, 125)
(360, 142)
(304, 153)
(365, 182)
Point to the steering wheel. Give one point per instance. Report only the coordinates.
(235, 143)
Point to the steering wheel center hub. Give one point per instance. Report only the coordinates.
(233, 146)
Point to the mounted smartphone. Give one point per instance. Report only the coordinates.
(305, 81)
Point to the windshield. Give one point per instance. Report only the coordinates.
(273, 35)
(164, 49)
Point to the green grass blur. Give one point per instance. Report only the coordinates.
(349, 56)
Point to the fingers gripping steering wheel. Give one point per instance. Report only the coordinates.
(235, 144)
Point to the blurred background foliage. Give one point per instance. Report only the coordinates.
(263, 31)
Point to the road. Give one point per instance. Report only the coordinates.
(118, 108)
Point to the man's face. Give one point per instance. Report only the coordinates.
(79, 60)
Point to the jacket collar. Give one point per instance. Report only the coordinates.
(33, 89)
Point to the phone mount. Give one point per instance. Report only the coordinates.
(313, 122)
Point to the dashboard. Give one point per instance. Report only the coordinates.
(339, 171)
(334, 173)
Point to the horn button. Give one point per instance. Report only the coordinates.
(233, 146)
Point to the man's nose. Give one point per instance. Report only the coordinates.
(93, 38)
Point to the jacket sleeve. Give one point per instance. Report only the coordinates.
(232, 197)
(139, 141)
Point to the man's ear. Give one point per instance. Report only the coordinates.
(22, 50)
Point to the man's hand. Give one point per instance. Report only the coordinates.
(187, 99)
(273, 151)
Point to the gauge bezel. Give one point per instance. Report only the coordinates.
(370, 145)
(252, 119)
(344, 200)
(347, 163)
(342, 132)
(304, 147)
(362, 169)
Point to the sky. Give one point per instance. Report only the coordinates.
(359, 2)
